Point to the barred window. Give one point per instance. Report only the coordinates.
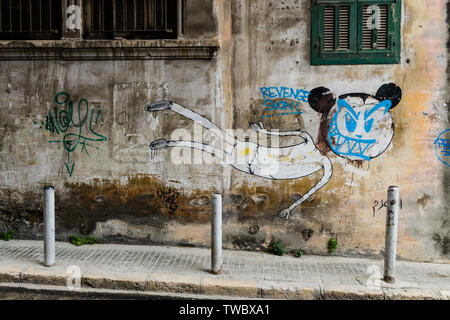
(130, 19)
(30, 19)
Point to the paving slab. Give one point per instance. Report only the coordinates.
(173, 283)
(106, 279)
(230, 287)
(182, 270)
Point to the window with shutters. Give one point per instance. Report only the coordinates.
(30, 19)
(355, 31)
(130, 19)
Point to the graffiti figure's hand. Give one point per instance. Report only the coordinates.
(284, 213)
(158, 105)
(159, 144)
(257, 126)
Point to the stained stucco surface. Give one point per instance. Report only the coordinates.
(120, 191)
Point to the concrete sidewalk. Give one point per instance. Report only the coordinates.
(181, 270)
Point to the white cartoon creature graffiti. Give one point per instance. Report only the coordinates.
(275, 163)
(359, 127)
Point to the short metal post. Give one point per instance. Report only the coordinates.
(216, 234)
(390, 250)
(49, 226)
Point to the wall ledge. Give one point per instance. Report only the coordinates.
(70, 49)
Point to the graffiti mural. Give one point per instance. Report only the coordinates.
(275, 163)
(282, 101)
(360, 126)
(75, 126)
(442, 147)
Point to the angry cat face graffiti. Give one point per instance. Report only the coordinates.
(360, 130)
(360, 126)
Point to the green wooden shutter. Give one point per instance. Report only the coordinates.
(340, 33)
(336, 28)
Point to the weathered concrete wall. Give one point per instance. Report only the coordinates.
(272, 49)
(119, 190)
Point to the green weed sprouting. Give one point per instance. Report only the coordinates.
(298, 253)
(277, 247)
(79, 241)
(6, 236)
(332, 244)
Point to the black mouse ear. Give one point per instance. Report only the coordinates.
(389, 91)
(321, 99)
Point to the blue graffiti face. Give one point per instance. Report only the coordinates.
(360, 130)
(442, 147)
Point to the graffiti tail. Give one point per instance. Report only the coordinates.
(327, 173)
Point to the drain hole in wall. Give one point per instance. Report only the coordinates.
(253, 229)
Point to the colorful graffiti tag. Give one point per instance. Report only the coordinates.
(442, 147)
(75, 125)
(282, 101)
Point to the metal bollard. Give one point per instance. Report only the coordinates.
(216, 234)
(49, 226)
(390, 251)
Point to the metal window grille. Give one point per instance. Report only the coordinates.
(135, 19)
(30, 19)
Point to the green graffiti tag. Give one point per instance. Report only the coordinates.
(76, 126)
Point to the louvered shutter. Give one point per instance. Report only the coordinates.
(328, 28)
(355, 31)
(344, 28)
(336, 28)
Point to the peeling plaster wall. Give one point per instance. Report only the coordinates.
(120, 192)
(271, 48)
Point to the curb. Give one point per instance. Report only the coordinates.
(133, 282)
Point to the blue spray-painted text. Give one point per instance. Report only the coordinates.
(442, 147)
(280, 101)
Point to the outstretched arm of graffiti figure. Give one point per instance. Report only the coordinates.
(260, 128)
(192, 115)
(327, 172)
(163, 143)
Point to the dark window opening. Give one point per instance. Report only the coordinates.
(131, 19)
(30, 19)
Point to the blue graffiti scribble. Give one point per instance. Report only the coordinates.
(349, 146)
(281, 101)
(442, 147)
